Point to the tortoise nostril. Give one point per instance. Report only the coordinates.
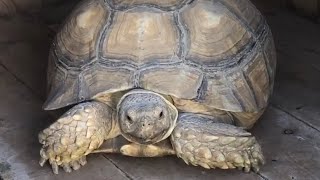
(144, 124)
(161, 114)
(129, 119)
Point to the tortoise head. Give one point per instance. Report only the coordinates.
(146, 117)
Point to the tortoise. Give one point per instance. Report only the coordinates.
(150, 78)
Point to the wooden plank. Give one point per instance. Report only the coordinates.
(21, 118)
(291, 148)
(268, 6)
(307, 7)
(291, 141)
(56, 11)
(11, 7)
(288, 156)
(291, 155)
(173, 168)
(24, 47)
(297, 89)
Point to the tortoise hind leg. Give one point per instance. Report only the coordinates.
(201, 141)
(77, 133)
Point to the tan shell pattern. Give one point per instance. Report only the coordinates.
(216, 52)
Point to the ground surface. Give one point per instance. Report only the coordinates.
(289, 131)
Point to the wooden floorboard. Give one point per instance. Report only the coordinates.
(24, 46)
(21, 118)
(291, 148)
(297, 84)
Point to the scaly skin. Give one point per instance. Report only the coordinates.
(215, 145)
(76, 134)
(208, 141)
(200, 140)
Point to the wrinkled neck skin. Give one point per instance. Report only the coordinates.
(146, 117)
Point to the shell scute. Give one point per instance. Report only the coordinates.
(139, 37)
(180, 81)
(218, 54)
(77, 40)
(214, 34)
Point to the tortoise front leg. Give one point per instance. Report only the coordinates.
(202, 141)
(77, 133)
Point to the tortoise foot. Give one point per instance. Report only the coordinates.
(76, 134)
(216, 145)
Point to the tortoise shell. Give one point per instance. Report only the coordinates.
(216, 52)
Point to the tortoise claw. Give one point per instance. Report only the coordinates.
(55, 167)
(75, 165)
(67, 168)
(83, 161)
(42, 161)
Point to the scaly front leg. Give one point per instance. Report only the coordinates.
(203, 141)
(77, 133)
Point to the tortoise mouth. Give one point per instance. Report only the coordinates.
(140, 140)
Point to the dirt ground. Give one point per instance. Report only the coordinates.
(289, 131)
